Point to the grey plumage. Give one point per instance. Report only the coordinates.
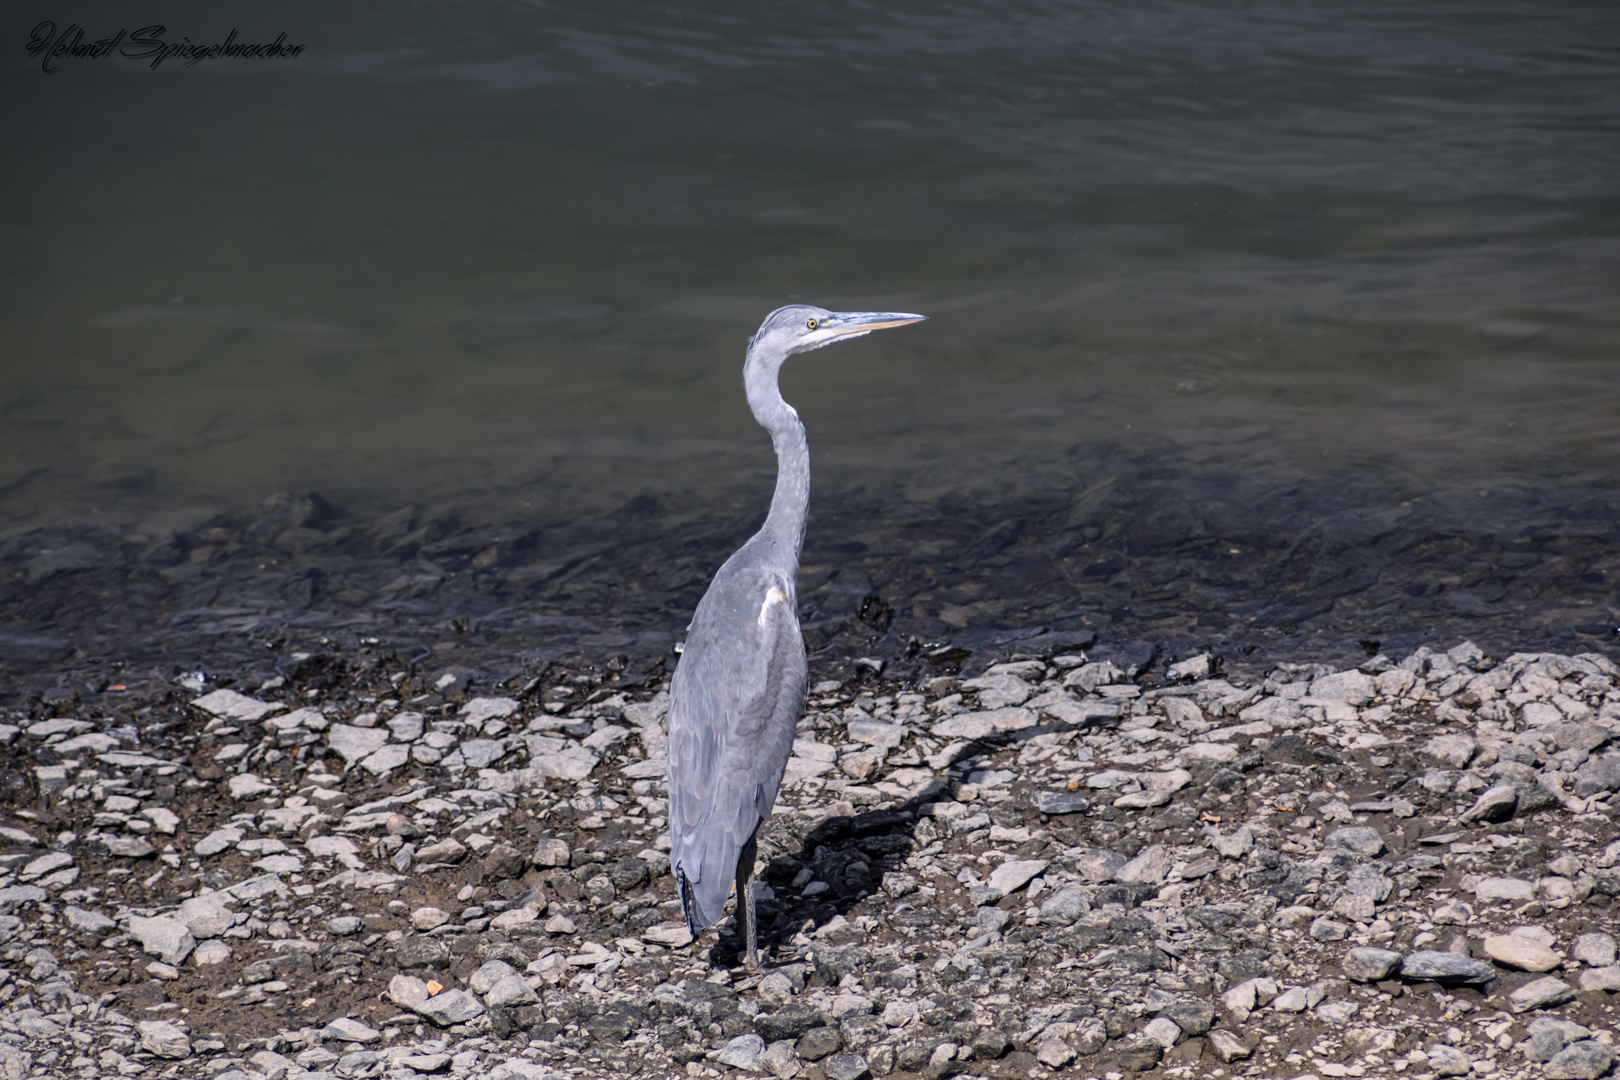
(739, 688)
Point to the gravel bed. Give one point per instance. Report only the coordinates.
(1055, 868)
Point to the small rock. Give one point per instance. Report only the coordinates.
(1367, 964)
(448, 850)
(1053, 1052)
(897, 884)
(426, 918)
(1603, 978)
(210, 953)
(348, 1029)
(1593, 950)
(1446, 967)
(1495, 803)
(1357, 839)
(247, 786)
(775, 989)
(164, 937)
(1540, 993)
(1014, 874)
(1447, 1060)
(1512, 890)
(1150, 867)
(781, 1060)
(1586, 1060)
(1227, 1047)
(845, 1067)
(1521, 952)
(1065, 906)
(1060, 802)
(164, 1039)
(407, 991)
(451, 1007)
(1163, 1031)
(746, 1052)
(550, 852)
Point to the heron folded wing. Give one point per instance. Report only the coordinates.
(734, 703)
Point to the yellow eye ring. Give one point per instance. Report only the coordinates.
(811, 324)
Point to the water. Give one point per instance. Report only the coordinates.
(1338, 258)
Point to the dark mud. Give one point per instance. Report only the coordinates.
(1136, 563)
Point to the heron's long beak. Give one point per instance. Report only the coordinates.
(850, 323)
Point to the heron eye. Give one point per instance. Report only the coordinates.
(811, 324)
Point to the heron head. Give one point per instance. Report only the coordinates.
(800, 328)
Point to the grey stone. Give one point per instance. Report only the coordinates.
(90, 922)
(1014, 874)
(451, 1007)
(1350, 687)
(407, 726)
(1540, 993)
(1593, 950)
(1496, 803)
(897, 883)
(1235, 846)
(1366, 964)
(1053, 1052)
(1326, 929)
(1098, 865)
(1190, 1015)
(1227, 1046)
(1446, 967)
(1148, 868)
(407, 991)
(353, 743)
(1060, 802)
(1454, 751)
(1163, 1030)
(164, 1039)
(1603, 978)
(234, 706)
(745, 1052)
(781, 1060)
(1357, 839)
(550, 852)
(1447, 1060)
(128, 847)
(510, 989)
(846, 1067)
(1368, 880)
(999, 691)
(348, 1029)
(1513, 890)
(164, 937)
(1598, 775)
(386, 760)
(481, 753)
(207, 915)
(1586, 1060)
(1065, 906)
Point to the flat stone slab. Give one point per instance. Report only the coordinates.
(1521, 952)
(1446, 967)
(1014, 874)
(234, 706)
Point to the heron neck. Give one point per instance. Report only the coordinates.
(783, 530)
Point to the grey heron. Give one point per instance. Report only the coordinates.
(740, 685)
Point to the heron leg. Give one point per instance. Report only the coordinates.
(747, 921)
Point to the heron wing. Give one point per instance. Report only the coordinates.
(734, 704)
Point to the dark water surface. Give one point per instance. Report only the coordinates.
(1270, 327)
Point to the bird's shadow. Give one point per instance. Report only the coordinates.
(849, 854)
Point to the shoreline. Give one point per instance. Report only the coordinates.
(1052, 868)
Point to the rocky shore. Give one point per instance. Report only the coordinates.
(1057, 867)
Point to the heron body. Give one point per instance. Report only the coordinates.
(739, 688)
